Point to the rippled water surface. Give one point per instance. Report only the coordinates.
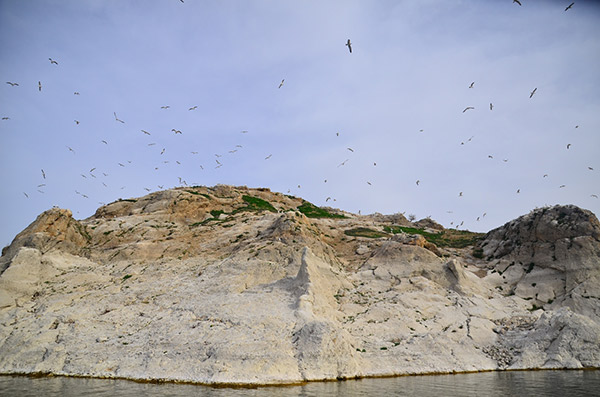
(522, 383)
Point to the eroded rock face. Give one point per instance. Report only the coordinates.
(238, 285)
(550, 256)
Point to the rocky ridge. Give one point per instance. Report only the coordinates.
(232, 285)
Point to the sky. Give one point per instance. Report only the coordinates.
(351, 130)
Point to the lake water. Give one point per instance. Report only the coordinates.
(521, 383)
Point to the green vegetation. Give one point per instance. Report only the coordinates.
(256, 204)
(216, 213)
(129, 200)
(126, 277)
(447, 238)
(312, 211)
(364, 232)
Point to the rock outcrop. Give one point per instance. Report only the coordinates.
(231, 285)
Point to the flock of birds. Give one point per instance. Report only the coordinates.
(91, 173)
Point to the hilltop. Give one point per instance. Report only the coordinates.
(233, 285)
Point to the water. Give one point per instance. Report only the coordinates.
(489, 384)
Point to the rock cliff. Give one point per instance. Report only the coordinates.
(231, 285)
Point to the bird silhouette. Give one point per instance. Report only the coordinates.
(52, 61)
(193, 108)
(176, 131)
(418, 181)
(568, 145)
(468, 108)
(77, 122)
(491, 106)
(145, 132)
(352, 150)
(39, 85)
(460, 194)
(569, 6)
(343, 163)
(268, 157)
(165, 107)
(12, 84)
(104, 142)
(518, 2)
(349, 44)
(594, 196)
(43, 174)
(116, 118)
(472, 84)
(590, 168)
(532, 92)
(281, 84)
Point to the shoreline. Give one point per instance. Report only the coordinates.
(237, 385)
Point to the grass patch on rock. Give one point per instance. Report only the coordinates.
(448, 238)
(364, 232)
(312, 211)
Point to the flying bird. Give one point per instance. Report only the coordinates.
(518, 2)
(468, 108)
(77, 122)
(43, 174)
(281, 84)
(244, 132)
(418, 181)
(193, 108)
(52, 61)
(176, 131)
(268, 157)
(568, 145)
(532, 92)
(116, 118)
(350, 149)
(569, 6)
(5, 118)
(491, 106)
(349, 44)
(145, 132)
(590, 168)
(593, 195)
(460, 194)
(76, 93)
(343, 163)
(518, 190)
(25, 194)
(39, 85)
(369, 183)
(561, 186)
(165, 107)
(472, 84)
(12, 84)
(71, 149)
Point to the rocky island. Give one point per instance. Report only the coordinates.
(233, 285)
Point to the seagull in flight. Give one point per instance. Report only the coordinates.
(472, 84)
(518, 2)
(532, 92)
(71, 149)
(268, 157)
(418, 181)
(12, 84)
(569, 6)
(43, 174)
(349, 44)
(176, 131)
(193, 108)
(343, 163)
(52, 61)
(281, 84)
(145, 132)
(491, 106)
(116, 118)
(76, 93)
(165, 107)
(593, 195)
(39, 85)
(468, 108)
(350, 149)
(104, 142)
(568, 145)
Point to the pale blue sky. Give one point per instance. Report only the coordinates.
(410, 70)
